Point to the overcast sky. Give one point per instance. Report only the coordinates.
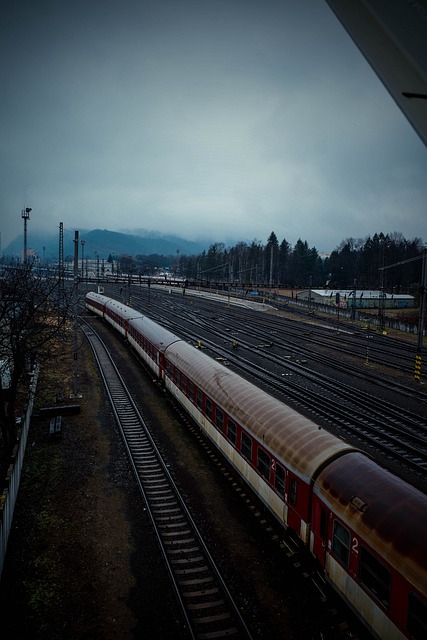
(220, 119)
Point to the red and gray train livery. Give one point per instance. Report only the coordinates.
(366, 527)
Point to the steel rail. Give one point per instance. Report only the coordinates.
(208, 607)
(365, 424)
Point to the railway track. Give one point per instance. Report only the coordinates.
(302, 339)
(397, 433)
(345, 338)
(207, 605)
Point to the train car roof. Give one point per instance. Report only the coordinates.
(287, 434)
(388, 513)
(160, 337)
(126, 311)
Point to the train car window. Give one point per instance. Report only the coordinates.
(341, 543)
(246, 447)
(417, 618)
(280, 480)
(199, 398)
(190, 390)
(375, 576)
(293, 492)
(231, 432)
(263, 465)
(219, 419)
(176, 377)
(323, 529)
(208, 408)
(183, 382)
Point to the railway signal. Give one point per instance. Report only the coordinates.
(417, 370)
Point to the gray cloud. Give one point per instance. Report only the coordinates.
(208, 119)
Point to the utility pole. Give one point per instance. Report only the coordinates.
(417, 372)
(75, 302)
(353, 306)
(25, 214)
(423, 298)
(83, 258)
(76, 256)
(271, 266)
(381, 301)
(61, 261)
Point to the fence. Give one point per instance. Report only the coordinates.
(13, 476)
(361, 315)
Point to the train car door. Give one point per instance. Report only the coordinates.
(161, 361)
(320, 522)
(293, 500)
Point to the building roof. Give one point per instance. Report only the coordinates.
(360, 293)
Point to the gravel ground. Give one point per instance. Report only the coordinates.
(82, 560)
(77, 561)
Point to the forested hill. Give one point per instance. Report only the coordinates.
(104, 243)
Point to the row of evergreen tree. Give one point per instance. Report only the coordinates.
(381, 261)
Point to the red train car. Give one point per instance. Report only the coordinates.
(366, 527)
(368, 532)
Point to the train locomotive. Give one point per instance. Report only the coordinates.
(366, 528)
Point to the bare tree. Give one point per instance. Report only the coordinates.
(33, 310)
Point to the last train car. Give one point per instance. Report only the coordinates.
(369, 531)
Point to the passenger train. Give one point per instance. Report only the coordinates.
(366, 528)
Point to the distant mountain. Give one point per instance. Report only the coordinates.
(105, 242)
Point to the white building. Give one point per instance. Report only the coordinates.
(359, 298)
